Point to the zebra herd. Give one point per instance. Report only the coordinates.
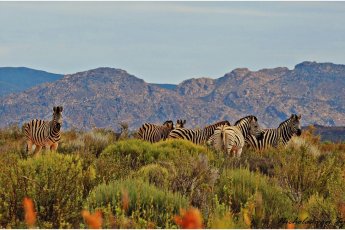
(221, 136)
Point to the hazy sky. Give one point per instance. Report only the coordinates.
(168, 42)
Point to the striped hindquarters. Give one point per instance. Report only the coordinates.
(38, 132)
(153, 133)
(228, 139)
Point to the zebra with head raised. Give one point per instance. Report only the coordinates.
(196, 136)
(180, 123)
(275, 137)
(154, 133)
(231, 139)
(44, 133)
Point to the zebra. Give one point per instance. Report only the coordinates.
(154, 133)
(280, 135)
(196, 136)
(180, 123)
(44, 133)
(231, 139)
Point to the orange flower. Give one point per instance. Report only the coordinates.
(93, 220)
(30, 214)
(125, 200)
(190, 219)
(341, 209)
(290, 225)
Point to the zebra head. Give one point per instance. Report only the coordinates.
(180, 123)
(250, 126)
(295, 124)
(57, 117)
(169, 124)
(255, 129)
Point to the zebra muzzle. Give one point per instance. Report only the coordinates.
(299, 132)
(260, 136)
(58, 126)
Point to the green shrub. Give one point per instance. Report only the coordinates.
(136, 153)
(154, 174)
(302, 173)
(322, 213)
(10, 191)
(91, 142)
(265, 201)
(55, 183)
(146, 202)
(190, 172)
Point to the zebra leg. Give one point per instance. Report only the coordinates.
(28, 146)
(54, 146)
(239, 152)
(37, 150)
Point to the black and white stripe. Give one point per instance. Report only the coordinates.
(154, 133)
(231, 139)
(44, 133)
(196, 136)
(279, 136)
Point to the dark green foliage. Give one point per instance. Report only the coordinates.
(146, 202)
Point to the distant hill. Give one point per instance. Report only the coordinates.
(104, 97)
(17, 79)
(333, 134)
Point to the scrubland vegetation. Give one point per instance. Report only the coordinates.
(97, 179)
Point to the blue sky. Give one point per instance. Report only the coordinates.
(168, 42)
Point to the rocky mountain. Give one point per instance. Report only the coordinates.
(104, 97)
(18, 79)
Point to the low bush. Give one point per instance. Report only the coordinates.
(154, 174)
(10, 191)
(303, 173)
(91, 142)
(246, 192)
(144, 203)
(53, 181)
(321, 213)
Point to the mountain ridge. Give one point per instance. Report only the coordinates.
(104, 96)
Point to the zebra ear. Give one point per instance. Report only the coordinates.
(54, 109)
(254, 118)
(299, 117)
(184, 122)
(61, 108)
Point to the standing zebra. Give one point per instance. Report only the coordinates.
(275, 137)
(154, 133)
(231, 139)
(196, 136)
(44, 133)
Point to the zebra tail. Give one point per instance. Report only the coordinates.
(225, 140)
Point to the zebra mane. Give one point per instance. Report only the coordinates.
(287, 120)
(246, 118)
(219, 123)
